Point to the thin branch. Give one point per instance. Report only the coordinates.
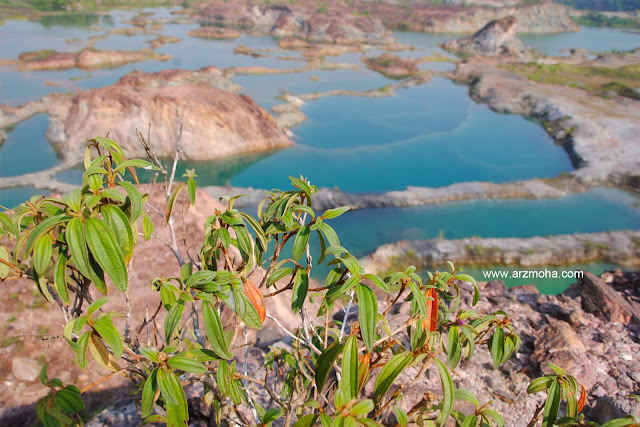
(101, 380)
(346, 314)
(175, 160)
(196, 324)
(58, 301)
(127, 324)
(313, 347)
(246, 368)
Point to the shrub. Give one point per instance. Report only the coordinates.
(70, 245)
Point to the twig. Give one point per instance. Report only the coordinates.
(58, 301)
(103, 379)
(196, 324)
(175, 159)
(127, 323)
(271, 393)
(310, 344)
(245, 369)
(146, 320)
(346, 314)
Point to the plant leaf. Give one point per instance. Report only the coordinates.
(106, 251)
(300, 288)
(552, 405)
(447, 392)
(335, 212)
(60, 277)
(300, 242)
(186, 364)
(135, 199)
(325, 363)
(255, 297)
(149, 393)
(171, 202)
(121, 228)
(166, 384)
(42, 254)
(350, 369)
(368, 312)
(108, 332)
(431, 321)
(173, 319)
(389, 373)
(215, 333)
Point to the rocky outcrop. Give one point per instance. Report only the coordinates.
(215, 122)
(328, 198)
(618, 247)
(542, 18)
(176, 77)
(296, 20)
(497, 38)
(598, 299)
(360, 21)
(392, 65)
(88, 59)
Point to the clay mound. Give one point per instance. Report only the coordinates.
(216, 122)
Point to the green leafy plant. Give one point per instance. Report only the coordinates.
(75, 245)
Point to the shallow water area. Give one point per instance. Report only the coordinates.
(590, 38)
(25, 150)
(389, 143)
(366, 229)
(12, 197)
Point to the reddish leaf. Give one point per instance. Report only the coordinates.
(364, 362)
(256, 299)
(583, 399)
(431, 323)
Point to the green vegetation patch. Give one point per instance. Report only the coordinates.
(601, 81)
(37, 55)
(594, 19)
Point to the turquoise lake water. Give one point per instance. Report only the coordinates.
(429, 135)
(587, 212)
(590, 38)
(17, 152)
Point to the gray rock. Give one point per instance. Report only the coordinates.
(122, 414)
(25, 369)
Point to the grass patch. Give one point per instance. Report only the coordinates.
(600, 81)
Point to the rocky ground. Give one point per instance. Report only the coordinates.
(591, 330)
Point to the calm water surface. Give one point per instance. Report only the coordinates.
(590, 38)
